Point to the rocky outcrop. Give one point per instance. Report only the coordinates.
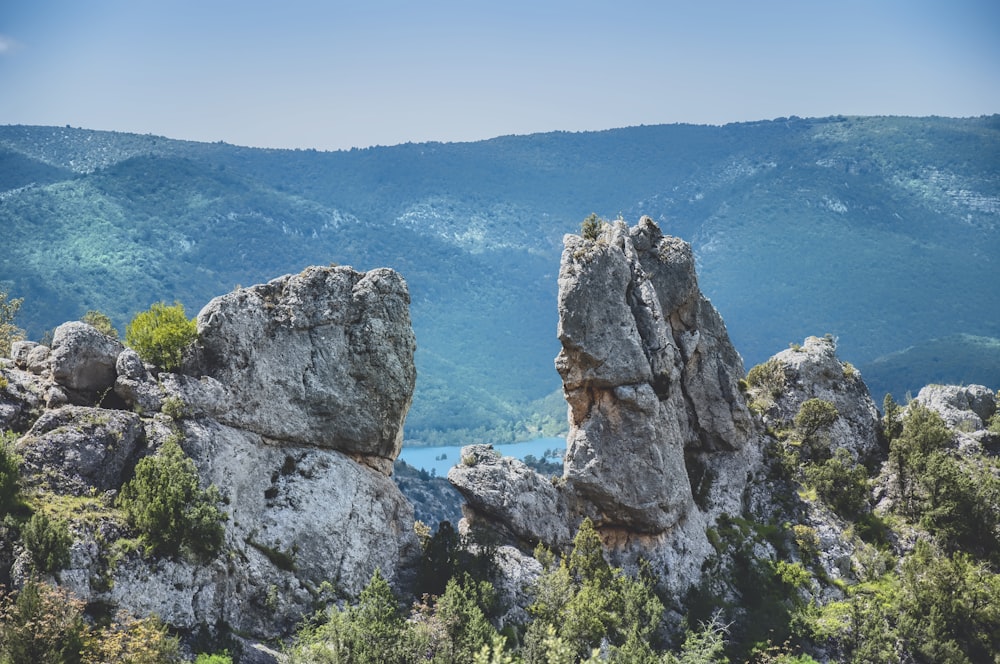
(648, 371)
(83, 361)
(323, 358)
(661, 440)
(79, 450)
(505, 490)
(813, 371)
(291, 404)
(22, 400)
(134, 384)
(967, 408)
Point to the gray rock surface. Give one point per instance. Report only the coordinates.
(39, 360)
(83, 360)
(814, 371)
(298, 518)
(505, 490)
(19, 351)
(22, 400)
(134, 385)
(292, 407)
(967, 408)
(648, 371)
(320, 358)
(652, 384)
(78, 450)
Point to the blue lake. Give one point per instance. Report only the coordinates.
(440, 459)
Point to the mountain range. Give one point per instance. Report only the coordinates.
(881, 231)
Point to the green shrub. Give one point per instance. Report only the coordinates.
(842, 484)
(48, 542)
(42, 624)
(9, 472)
(165, 503)
(994, 423)
(591, 227)
(160, 334)
(9, 332)
(814, 417)
(218, 658)
(768, 378)
(101, 322)
(174, 407)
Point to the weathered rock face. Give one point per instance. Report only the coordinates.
(298, 517)
(293, 384)
(648, 371)
(661, 440)
(83, 360)
(966, 408)
(133, 383)
(812, 370)
(321, 358)
(505, 489)
(77, 450)
(22, 400)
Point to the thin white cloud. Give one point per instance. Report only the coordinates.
(7, 45)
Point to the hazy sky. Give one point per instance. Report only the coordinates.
(334, 74)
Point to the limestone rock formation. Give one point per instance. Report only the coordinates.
(322, 358)
(966, 407)
(83, 361)
(133, 383)
(648, 371)
(813, 370)
(78, 450)
(661, 440)
(22, 400)
(505, 489)
(291, 404)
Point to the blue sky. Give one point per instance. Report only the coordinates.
(331, 75)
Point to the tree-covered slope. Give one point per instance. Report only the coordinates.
(882, 231)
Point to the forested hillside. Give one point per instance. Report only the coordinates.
(884, 232)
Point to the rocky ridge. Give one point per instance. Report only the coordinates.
(291, 404)
(661, 440)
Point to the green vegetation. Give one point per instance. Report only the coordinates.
(10, 465)
(837, 212)
(48, 542)
(172, 513)
(955, 498)
(45, 624)
(101, 322)
(161, 334)
(841, 483)
(9, 332)
(591, 227)
(814, 417)
(766, 381)
(42, 624)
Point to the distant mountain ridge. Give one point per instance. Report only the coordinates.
(884, 232)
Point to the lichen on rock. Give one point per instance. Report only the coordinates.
(321, 358)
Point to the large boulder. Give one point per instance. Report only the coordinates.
(134, 385)
(22, 398)
(812, 370)
(78, 450)
(648, 371)
(507, 491)
(661, 441)
(83, 361)
(321, 358)
(967, 408)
